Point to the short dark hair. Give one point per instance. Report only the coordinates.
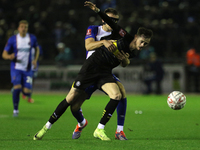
(111, 10)
(148, 33)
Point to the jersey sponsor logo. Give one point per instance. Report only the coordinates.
(24, 49)
(122, 32)
(89, 32)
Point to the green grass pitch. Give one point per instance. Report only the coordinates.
(157, 128)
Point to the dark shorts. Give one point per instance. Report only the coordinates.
(96, 71)
(92, 88)
(84, 81)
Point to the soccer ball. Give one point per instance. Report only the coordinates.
(176, 100)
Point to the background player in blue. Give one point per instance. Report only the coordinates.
(96, 36)
(34, 71)
(18, 50)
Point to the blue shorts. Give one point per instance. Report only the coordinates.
(91, 89)
(23, 78)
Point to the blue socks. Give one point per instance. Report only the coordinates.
(27, 94)
(16, 93)
(121, 111)
(78, 115)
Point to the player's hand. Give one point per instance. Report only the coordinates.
(122, 56)
(92, 6)
(12, 56)
(109, 45)
(126, 55)
(34, 63)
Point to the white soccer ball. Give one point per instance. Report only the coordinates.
(176, 100)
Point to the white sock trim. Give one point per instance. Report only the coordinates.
(120, 128)
(15, 111)
(82, 123)
(100, 126)
(48, 125)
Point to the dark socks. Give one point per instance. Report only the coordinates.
(16, 93)
(61, 108)
(78, 115)
(109, 110)
(121, 111)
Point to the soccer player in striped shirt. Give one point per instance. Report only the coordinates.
(18, 50)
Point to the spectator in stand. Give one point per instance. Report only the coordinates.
(155, 73)
(64, 55)
(193, 67)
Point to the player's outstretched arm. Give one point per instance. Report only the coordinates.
(104, 16)
(92, 6)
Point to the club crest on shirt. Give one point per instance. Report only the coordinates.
(78, 83)
(122, 32)
(89, 31)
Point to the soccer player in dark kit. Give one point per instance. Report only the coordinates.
(97, 36)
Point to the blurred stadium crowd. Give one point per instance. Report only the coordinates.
(175, 24)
